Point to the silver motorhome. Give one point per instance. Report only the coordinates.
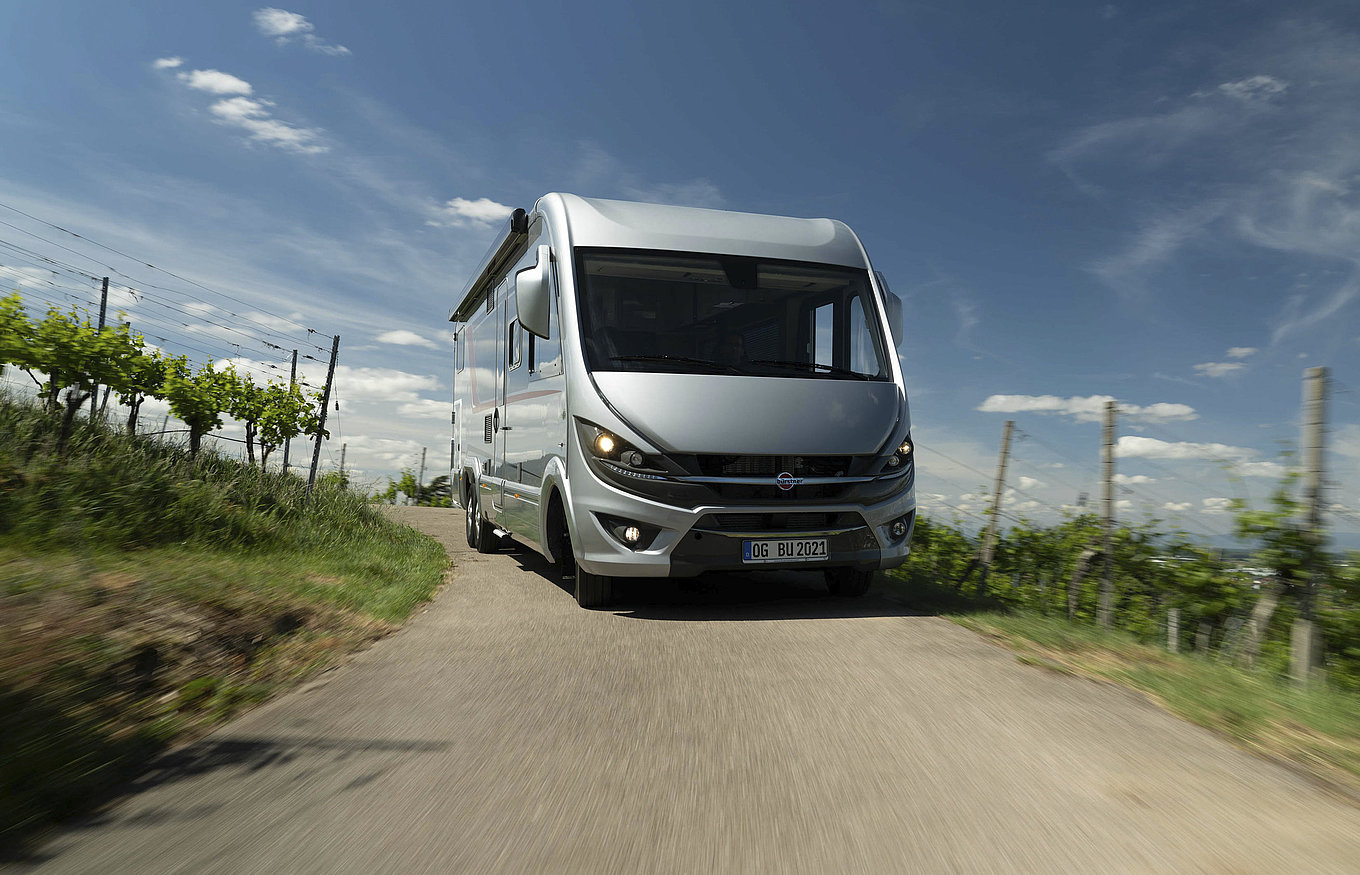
(658, 391)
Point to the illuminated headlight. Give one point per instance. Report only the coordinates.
(609, 447)
(902, 456)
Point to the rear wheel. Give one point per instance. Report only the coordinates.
(470, 515)
(481, 534)
(848, 582)
(593, 590)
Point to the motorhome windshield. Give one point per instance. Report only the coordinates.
(717, 314)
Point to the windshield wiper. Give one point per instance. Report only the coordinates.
(813, 366)
(679, 359)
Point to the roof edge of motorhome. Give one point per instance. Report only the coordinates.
(512, 234)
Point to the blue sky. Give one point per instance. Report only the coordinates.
(1156, 203)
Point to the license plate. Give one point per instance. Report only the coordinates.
(789, 550)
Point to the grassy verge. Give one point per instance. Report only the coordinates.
(1317, 730)
(146, 596)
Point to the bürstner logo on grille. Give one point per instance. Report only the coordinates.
(787, 481)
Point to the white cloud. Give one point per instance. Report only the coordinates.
(215, 82)
(1254, 89)
(384, 452)
(401, 337)
(1136, 447)
(199, 308)
(1215, 505)
(1218, 369)
(1030, 482)
(280, 23)
(1273, 470)
(251, 114)
(167, 63)
(276, 323)
(255, 117)
(284, 27)
(1273, 171)
(1241, 352)
(426, 409)
(122, 298)
(1154, 244)
(1133, 479)
(381, 384)
(1176, 506)
(1244, 460)
(458, 212)
(1346, 441)
(1087, 409)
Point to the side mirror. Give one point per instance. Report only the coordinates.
(533, 293)
(893, 305)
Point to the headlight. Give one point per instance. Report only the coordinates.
(610, 447)
(902, 456)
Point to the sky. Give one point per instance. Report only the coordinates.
(1155, 203)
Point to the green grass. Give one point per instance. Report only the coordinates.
(1317, 729)
(146, 596)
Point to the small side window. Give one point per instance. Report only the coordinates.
(513, 344)
(459, 341)
(824, 334)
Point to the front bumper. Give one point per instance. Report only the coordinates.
(691, 542)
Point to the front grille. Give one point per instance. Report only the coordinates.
(773, 466)
(743, 492)
(779, 522)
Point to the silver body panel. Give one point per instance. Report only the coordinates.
(540, 454)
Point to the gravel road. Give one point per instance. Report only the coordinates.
(751, 724)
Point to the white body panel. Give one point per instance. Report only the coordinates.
(534, 412)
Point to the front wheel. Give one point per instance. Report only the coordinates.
(593, 590)
(848, 582)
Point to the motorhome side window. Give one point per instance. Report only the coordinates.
(459, 341)
(644, 310)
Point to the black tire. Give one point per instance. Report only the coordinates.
(559, 539)
(593, 590)
(481, 534)
(848, 582)
(470, 516)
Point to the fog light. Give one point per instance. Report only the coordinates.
(898, 528)
(605, 444)
(631, 534)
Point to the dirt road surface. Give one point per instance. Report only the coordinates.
(754, 724)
